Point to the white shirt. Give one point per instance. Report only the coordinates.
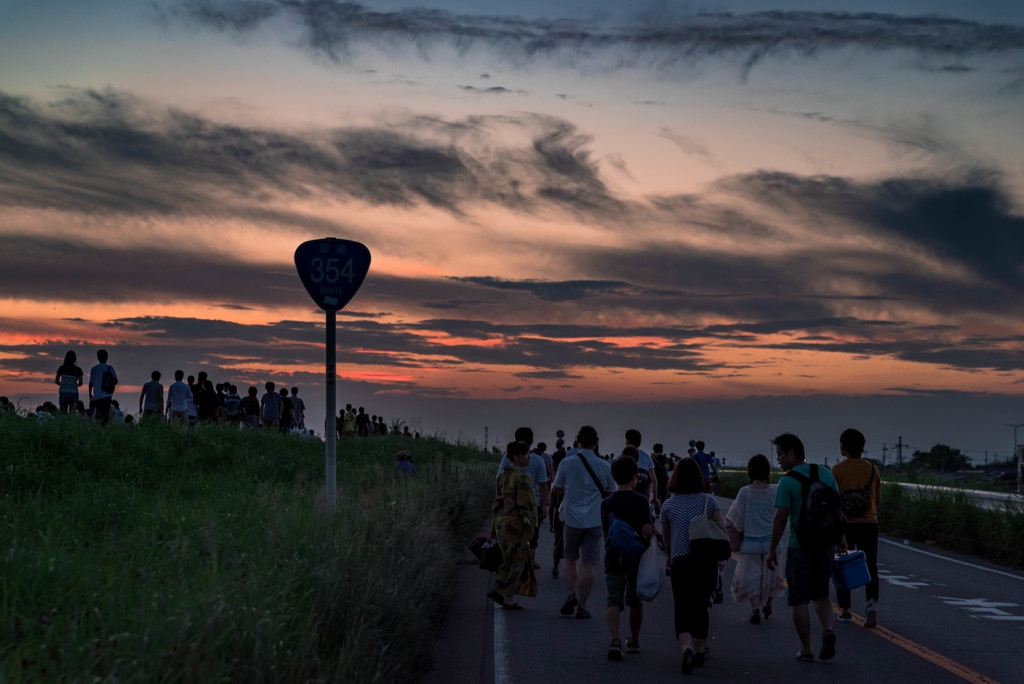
(96, 380)
(581, 507)
(645, 461)
(179, 396)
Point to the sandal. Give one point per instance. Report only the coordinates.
(828, 646)
(805, 657)
(687, 666)
(511, 606)
(615, 650)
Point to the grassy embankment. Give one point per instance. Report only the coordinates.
(158, 554)
(947, 519)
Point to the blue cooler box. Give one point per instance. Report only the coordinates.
(850, 571)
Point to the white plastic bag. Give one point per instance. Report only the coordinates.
(648, 577)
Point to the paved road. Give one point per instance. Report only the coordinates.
(942, 618)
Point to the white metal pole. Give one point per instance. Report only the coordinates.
(330, 427)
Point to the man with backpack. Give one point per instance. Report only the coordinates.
(102, 381)
(808, 498)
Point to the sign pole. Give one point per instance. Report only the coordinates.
(330, 428)
(331, 270)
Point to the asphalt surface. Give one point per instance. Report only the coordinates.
(942, 618)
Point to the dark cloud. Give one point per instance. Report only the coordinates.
(662, 40)
(556, 291)
(484, 330)
(104, 152)
(233, 307)
(38, 268)
(493, 90)
(688, 146)
(965, 355)
(548, 375)
(801, 325)
(922, 135)
(971, 221)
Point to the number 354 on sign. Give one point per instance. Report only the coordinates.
(332, 270)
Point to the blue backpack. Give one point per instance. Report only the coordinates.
(624, 539)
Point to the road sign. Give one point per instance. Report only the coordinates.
(332, 270)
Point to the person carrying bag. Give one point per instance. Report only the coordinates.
(695, 536)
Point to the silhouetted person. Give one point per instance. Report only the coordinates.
(151, 401)
(69, 378)
(102, 381)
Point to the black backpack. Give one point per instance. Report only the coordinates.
(108, 381)
(820, 525)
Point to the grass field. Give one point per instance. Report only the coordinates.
(145, 554)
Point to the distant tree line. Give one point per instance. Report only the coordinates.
(945, 458)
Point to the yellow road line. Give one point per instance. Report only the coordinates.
(946, 663)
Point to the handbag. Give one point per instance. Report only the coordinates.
(487, 548)
(649, 572)
(488, 552)
(707, 538)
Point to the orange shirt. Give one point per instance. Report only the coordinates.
(855, 472)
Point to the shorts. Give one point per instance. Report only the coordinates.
(583, 543)
(622, 588)
(808, 574)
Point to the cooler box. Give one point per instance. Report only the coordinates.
(850, 571)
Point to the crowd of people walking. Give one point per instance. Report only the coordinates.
(784, 536)
(191, 400)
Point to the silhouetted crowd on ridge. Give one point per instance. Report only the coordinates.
(191, 401)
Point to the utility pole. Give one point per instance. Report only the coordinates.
(1013, 454)
(899, 452)
(884, 449)
(485, 438)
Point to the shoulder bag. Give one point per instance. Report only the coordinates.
(707, 538)
(590, 470)
(857, 501)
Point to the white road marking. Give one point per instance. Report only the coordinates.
(979, 606)
(901, 580)
(953, 560)
(502, 659)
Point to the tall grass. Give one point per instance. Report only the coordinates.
(951, 520)
(159, 554)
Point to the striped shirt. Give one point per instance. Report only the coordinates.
(678, 511)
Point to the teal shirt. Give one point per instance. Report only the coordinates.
(791, 495)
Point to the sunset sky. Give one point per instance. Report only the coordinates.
(718, 220)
